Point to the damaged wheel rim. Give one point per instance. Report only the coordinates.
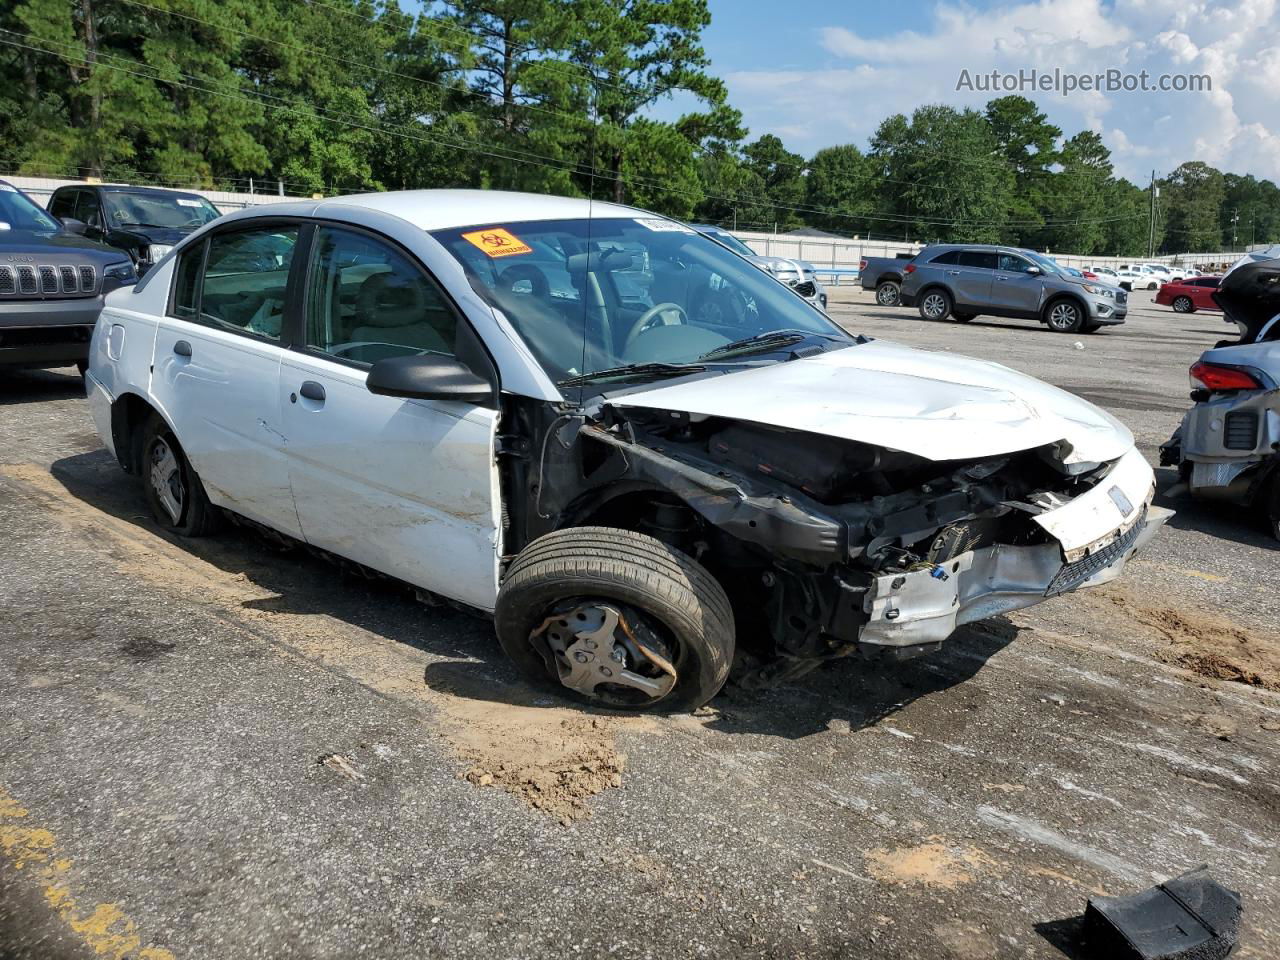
(166, 480)
(609, 652)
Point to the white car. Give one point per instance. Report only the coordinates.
(631, 484)
(1131, 278)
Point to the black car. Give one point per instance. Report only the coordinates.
(51, 285)
(145, 222)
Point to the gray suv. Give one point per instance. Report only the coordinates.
(961, 281)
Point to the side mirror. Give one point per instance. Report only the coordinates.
(75, 226)
(428, 376)
(1033, 271)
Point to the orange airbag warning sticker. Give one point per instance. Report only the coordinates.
(497, 242)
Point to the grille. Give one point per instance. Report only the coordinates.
(805, 289)
(48, 280)
(1240, 430)
(1074, 574)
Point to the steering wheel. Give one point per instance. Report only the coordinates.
(646, 320)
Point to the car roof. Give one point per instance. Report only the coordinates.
(442, 209)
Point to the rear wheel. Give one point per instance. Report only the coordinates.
(888, 293)
(174, 491)
(935, 304)
(616, 618)
(1064, 316)
(1183, 305)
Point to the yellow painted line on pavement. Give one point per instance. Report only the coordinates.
(103, 927)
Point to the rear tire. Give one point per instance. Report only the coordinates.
(1183, 305)
(1064, 316)
(174, 491)
(670, 593)
(935, 304)
(888, 293)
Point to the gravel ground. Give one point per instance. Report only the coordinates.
(219, 749)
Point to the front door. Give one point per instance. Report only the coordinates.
(406, 487)
(1014, 289)
(216, 369)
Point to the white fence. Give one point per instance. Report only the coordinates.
(41, 188)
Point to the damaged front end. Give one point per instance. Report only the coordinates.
(839, 547)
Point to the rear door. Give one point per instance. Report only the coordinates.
(406, 487)
(977, 270)
(1014, 289)
(1203, 289)
(216, 368)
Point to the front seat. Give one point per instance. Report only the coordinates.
(392, 309)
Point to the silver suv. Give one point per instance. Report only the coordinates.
(961, 281)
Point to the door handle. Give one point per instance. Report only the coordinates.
(1002, 278)
(182, 348)
(312, 391)
(953, 273)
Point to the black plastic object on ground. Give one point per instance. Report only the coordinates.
(1189, 918)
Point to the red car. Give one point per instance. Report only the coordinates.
(1189, 295)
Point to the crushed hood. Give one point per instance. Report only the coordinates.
(934, 405)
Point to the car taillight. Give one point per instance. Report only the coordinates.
(1223, 378)
(862, 264)
(909, 268)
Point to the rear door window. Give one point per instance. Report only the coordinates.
(979, 259)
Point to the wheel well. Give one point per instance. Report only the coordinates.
(935, 286)
(128, 415)
(896, 278)
(645, 510)
(1058, 298)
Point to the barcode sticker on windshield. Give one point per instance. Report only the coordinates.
(663, 226)
(496, 242)
(189, 203)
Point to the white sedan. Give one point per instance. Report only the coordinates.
(633, 448)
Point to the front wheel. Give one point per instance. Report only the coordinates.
(174, 491)
(616, 618)
(1183, 305)
(935, 305)
(1065, 316)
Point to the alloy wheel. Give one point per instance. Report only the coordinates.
(935, 305)
(166, 479)
(887, 295)
(1064, 317)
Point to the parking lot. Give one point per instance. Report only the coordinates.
(221, 748)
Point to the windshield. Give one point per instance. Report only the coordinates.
(18, 212)
(596, 295)
(177, 211)
(730, 241)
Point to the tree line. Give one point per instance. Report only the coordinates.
(335, 96)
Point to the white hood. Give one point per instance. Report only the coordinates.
(934, 405)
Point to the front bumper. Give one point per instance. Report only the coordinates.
(1108, 312)
(913, 612)
(47, 333)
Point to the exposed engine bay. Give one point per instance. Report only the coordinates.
(838, 547)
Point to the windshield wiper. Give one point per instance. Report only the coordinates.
(769, 340)
(630, 371)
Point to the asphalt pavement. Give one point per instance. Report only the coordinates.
(218, 748)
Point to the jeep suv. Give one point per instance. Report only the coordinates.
(961, 281)
(51, 285)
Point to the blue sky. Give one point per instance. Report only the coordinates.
(819, 73)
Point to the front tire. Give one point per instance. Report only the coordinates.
(935, 304)
(616, 618)
(888, 293)
(174, 491)
(1183, 305)
(1064, 316)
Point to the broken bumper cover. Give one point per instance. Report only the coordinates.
(913, 611)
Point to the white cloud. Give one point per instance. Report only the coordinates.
(1234, 126)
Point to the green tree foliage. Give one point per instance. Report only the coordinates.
(943, 175)
(1192, 200)
(557, 96)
